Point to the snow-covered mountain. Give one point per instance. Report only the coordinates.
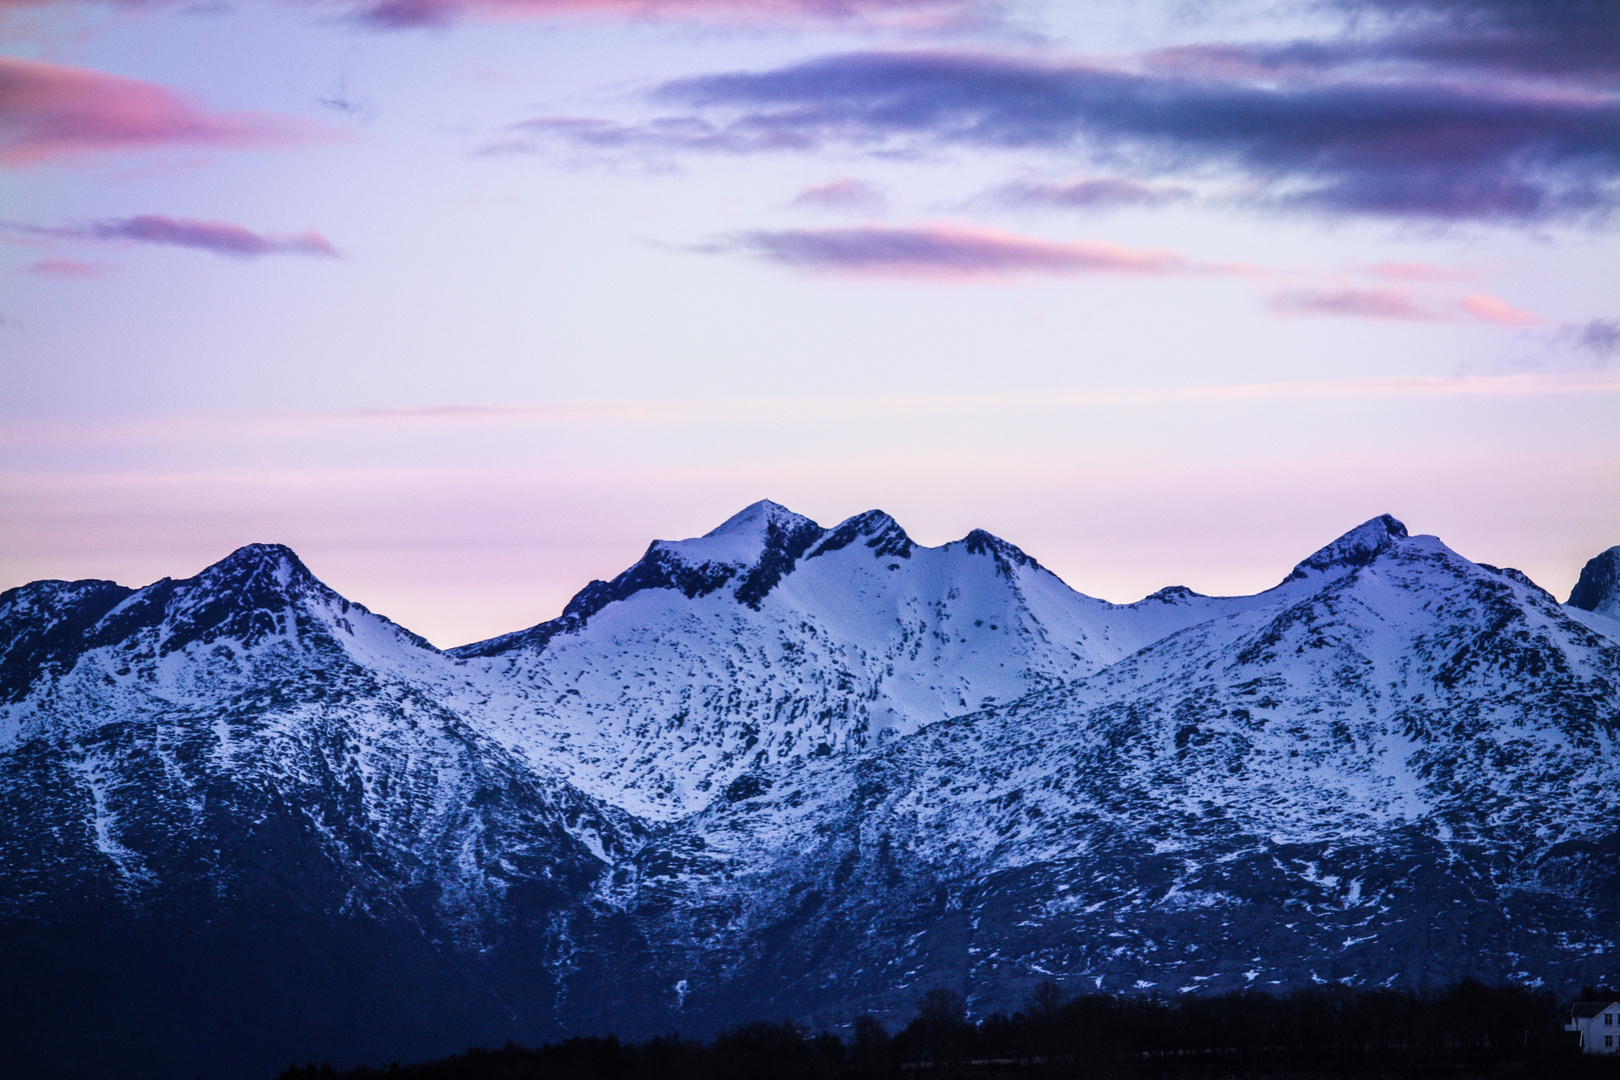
(240, 811)
(787, 770)
(773, 639)
(1404, 770)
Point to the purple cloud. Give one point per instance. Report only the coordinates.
(1438, 148)
(662, 135)
(938, 250)
(1600, 337)
(219, 237)
(1560, 38)
(407, 14)
(888, 14)
(1096, 193)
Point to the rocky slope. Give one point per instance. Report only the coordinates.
(240, 817)
(1598, 590)
(785, 770)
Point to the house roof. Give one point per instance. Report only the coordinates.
(1585, 1010)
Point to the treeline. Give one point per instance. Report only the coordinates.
(1056, 1035)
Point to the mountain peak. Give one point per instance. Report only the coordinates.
(278, 561)
(245, 596)
(1598, 589)
(1356, 548)
(756, 518)
(1172, 594)
(1007, 556)
(754, 547)
(876, 529)
(742, 539)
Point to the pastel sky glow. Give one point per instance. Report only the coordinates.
(469, 300)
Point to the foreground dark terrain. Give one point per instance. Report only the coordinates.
(786, 771)
(1468, 1030)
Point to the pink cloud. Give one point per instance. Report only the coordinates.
(847, 193)
(48, 112)
(1358, 303)
(1492, 310)
(1417, 271)
(391, 14)
(63, 268)
(938, 250)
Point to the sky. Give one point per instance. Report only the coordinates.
(469, 300)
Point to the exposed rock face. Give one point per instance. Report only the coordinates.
(1598, 590)
(785, 770)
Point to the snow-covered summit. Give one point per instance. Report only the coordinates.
(255, 612)
(772, 638)
(742, 539)
(1356, 548)
(876, 530)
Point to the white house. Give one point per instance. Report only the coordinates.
(1599, 1025)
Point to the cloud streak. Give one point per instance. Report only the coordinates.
(846, 193)
(220, 237)
(919, 14)
(1447, 149)
(1386, 304)
(949, 251)
(51, 113)
(1489, 309)
(1088, 193)
(62, 268)
(1400, 305)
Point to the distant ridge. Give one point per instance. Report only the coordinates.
(782, 770)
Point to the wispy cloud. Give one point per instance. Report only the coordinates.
(219, 237)
(1598, 338)
(1492, 310)
(62, 268)
(946, 250)
(51, 113)
(1569, 349)
(1416, 272)
(846, 193)
(1402, 305)
(1088, 193)
(887, 14)
(1393, 304)
(921, 14)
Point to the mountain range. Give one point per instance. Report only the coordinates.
(785, 771)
